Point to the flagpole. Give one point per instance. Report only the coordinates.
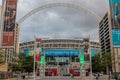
(34, 58)
(90, 59)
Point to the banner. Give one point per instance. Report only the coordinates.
(86, 50)
(114, 1)
(38, 40)
(115, 13)
(29, 53)
(4, 67)
(9, 23)
(116, 38)
(8, 39)
(60, 52)
(115, 21)
(38, 57)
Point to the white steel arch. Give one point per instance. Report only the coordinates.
(57, 4)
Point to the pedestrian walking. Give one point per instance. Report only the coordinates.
(72, 75)
(8, 74)
(97, 76)
(23, 75)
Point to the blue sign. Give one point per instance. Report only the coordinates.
(60, 52)
(65, 53)
(114, 1)
(116, 37)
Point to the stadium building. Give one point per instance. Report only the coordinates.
(62, 55)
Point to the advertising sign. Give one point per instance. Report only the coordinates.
(115, 21)
(116, 38)
(42, 60)
(4, 67)
(82, 60)
(115, 13)
(86, 50)
(114, 1)
(8, 39)
(38, 40)
(29, 53)
(60, 52)
(9, 23)
(38, 54)
(38, 57)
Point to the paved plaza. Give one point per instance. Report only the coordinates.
(61, 78)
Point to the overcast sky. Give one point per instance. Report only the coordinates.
(60, 21)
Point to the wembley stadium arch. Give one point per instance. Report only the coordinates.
(50, 5)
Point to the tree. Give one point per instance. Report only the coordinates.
(97, 65)
(20, 61)
(102, 64)
(1, 57)
(25, 63)
(14, 67)
(107, 62)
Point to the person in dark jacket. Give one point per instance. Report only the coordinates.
(97, 76)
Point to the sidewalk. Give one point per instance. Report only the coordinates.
(58, 78)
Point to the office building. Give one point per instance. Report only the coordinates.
(11, 54)
(108, 37)
(104, 34)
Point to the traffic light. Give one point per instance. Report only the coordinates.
(42, 60)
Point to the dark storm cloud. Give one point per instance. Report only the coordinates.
(61, 22)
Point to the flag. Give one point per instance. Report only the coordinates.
(38, 57)
(30, 52)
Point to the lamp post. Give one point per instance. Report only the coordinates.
(90, 62)
(34, 58)
(90, 56)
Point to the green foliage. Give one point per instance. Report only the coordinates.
(107, 60)
(1, 56)
(101, 63)
(25, 63)
(97, 63)
(14, 67)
